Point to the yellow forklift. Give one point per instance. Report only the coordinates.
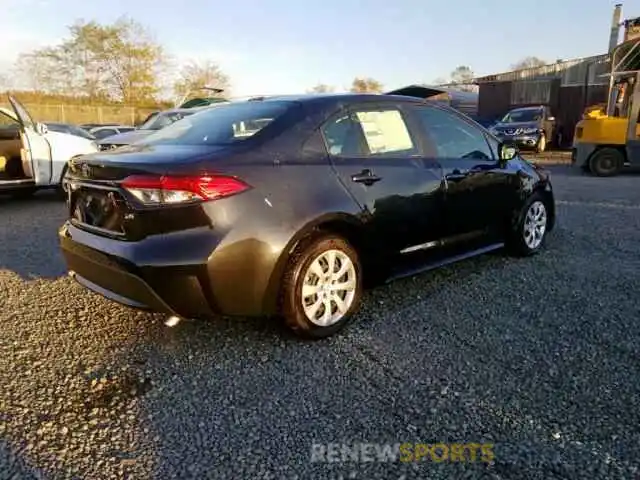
(607, 139)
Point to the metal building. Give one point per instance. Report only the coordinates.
(568, 87)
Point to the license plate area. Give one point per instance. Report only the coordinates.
(101, 209)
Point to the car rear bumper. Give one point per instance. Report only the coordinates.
(174, 290)
(194, 275)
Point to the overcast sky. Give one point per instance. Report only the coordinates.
(280, 46)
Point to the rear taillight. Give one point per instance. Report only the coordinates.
(161, 190)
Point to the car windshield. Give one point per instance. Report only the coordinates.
(80, 132)
(162, 120)
(523, 115)
(222, 125)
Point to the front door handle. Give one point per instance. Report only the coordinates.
(457, 174)
(366, 176)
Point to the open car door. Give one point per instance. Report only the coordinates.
(36, 151)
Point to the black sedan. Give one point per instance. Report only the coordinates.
(287, 205)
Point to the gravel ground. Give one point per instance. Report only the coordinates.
(538, 356)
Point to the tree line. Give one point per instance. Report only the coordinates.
(121, 63)
(461, 78)
(117, 63)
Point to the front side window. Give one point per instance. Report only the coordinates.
(222, 125)
(451, 136)
(368, 132)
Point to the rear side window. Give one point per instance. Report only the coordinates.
(368, 133)
(221, 125)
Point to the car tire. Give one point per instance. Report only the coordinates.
(60, 192)
(606, 162)
(541, 145)
(309, 289)
(529, 230)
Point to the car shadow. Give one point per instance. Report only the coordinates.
(29, 230)
(142, 377)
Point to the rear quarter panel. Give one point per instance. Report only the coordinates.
(291, 194)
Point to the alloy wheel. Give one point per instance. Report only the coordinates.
(329, 288)
(535, 225)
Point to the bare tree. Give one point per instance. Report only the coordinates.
(462, 77)
(366, 85)
(194, 76)
(528, 62)
(322, 88)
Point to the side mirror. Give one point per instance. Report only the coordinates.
(507, 152)
(41, 128)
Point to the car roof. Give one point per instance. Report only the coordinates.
(333, 98)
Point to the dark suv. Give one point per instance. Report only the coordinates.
(285, 205)
(529, 127)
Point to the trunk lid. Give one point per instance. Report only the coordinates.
(97, 202)
(140, 159)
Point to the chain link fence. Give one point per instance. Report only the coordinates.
(79, 114)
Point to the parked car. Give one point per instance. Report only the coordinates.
(330, 191)
(528, 127)
(31, 156)
(103, 132)
(89, 126)
(70, 129)
(153, 124)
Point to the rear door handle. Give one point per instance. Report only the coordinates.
(366, 176)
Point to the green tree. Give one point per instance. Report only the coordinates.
(366, 85)
(117, 61)
(528, 62)
(195, 76)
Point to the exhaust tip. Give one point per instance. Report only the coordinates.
(172, 321)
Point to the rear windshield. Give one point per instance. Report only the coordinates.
(162, 120)
(221, 125)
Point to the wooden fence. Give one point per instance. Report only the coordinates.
(79, 114)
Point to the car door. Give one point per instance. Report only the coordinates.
(378, 159)
(36, 153)
(477, 188)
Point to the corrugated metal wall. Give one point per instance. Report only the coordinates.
(494, 99)
(571, 72)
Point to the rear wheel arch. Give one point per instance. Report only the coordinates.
(549, 203)
(344, 225)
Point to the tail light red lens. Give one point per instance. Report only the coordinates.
(159, 190)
